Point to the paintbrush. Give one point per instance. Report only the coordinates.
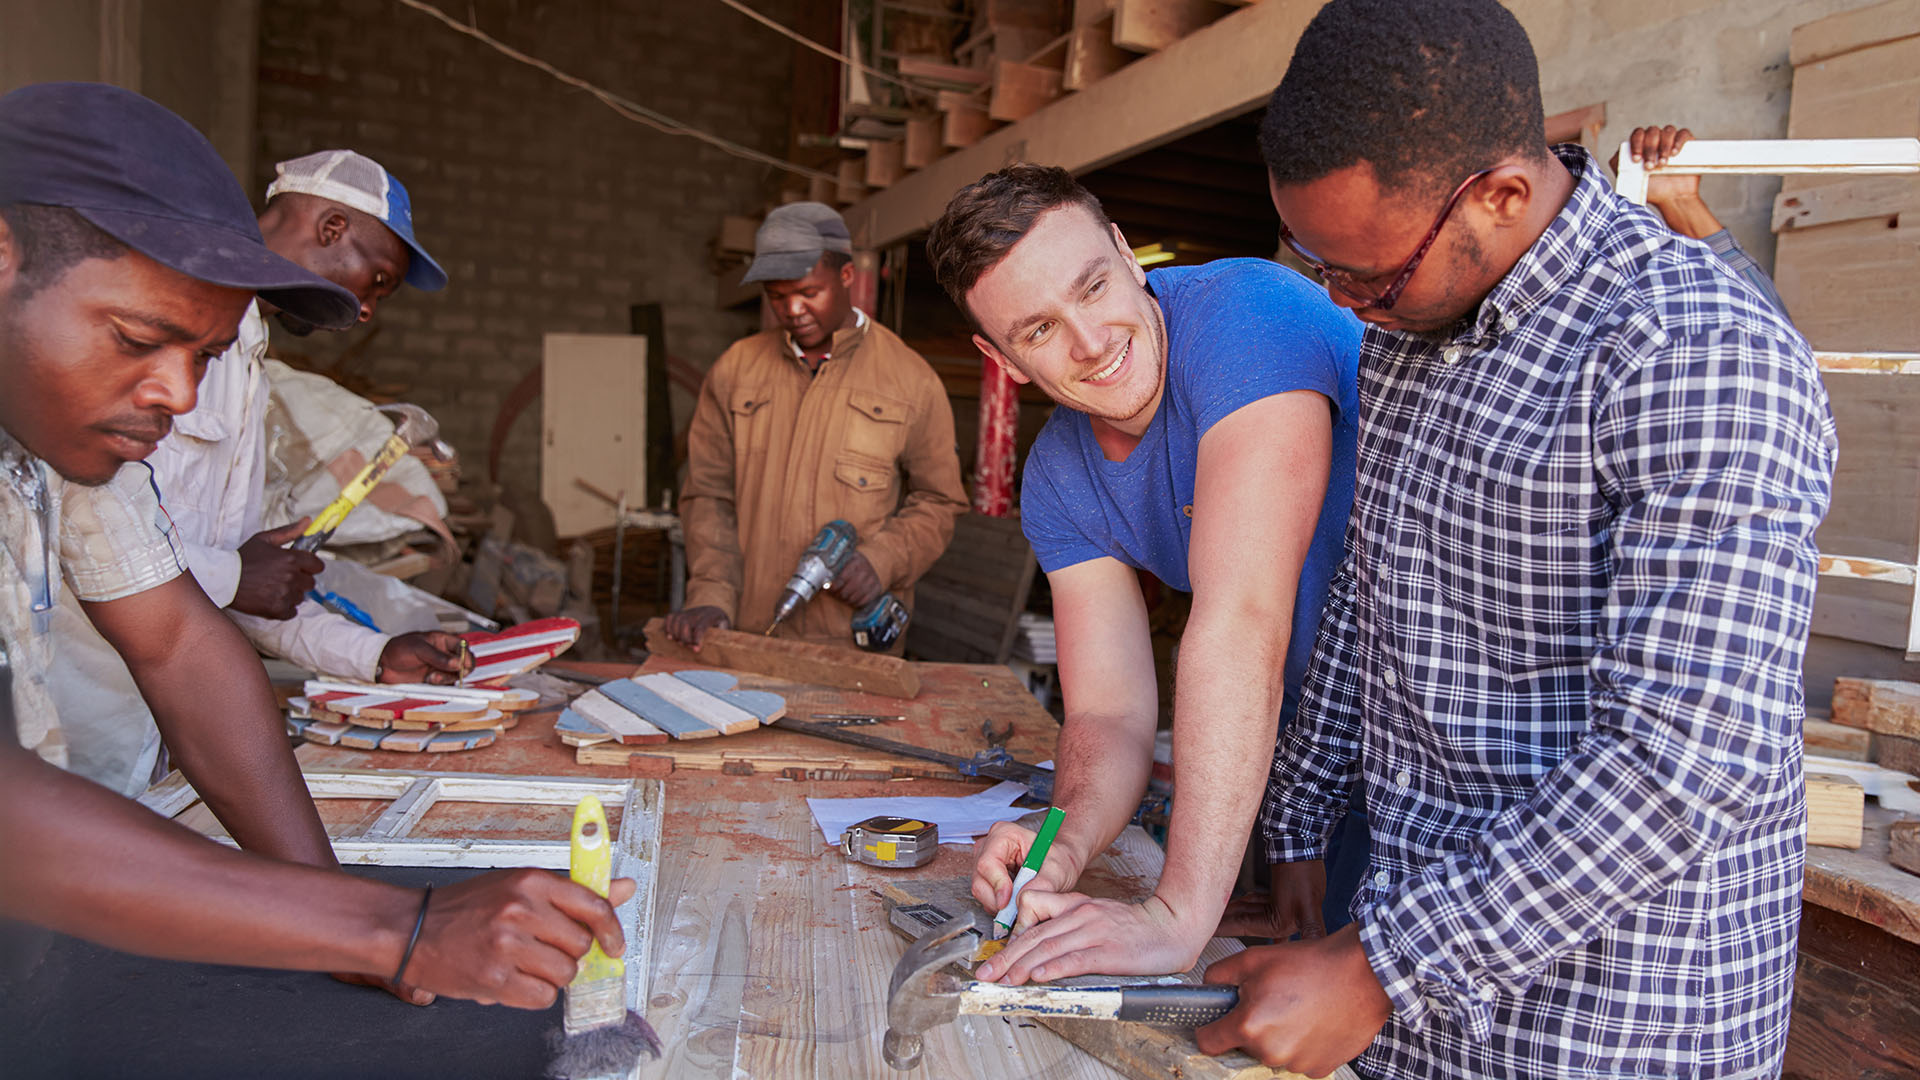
(599, 1035)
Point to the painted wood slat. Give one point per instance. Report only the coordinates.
(658, 711)
(622, 723)
(406, 811)
(709, 709)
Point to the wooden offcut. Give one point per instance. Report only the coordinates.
(1835, 809)
(1882, 706)
(1838, 740)
(1152, 25)
(801, 662)
(1903, 845)
(1092, 55)
(1021, 89)
(885, 163)
(922, 144)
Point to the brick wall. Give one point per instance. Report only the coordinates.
(549, 211)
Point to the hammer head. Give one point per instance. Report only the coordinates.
(412, 423)
(923, 994)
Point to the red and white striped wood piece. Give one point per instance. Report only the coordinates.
(517, 649)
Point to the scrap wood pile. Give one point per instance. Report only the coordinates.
(1869, 749)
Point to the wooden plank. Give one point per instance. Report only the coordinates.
(1882, 706)
(1869, 363)
(885, 163)
(1875, 510)
(1873, 612)
(1897, 752)
(1856, 1007)
(922, 141)
(1903, 845)
(1882, 197)
(1848, 31)
(1838, 740)
(1774, 157)
(1092, 55)
(636, 855)
(965, 124)
(593, 407)
(621, 723)
(800, 662)
(928, 71)
(1892, 790)
(1021, 89)
(1835, 806)
(656, 710)
(1862, 885)
(1152, 25)
(851, 185)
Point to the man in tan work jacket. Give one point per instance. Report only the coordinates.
(830, 416)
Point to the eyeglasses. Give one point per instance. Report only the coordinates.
(1363, 289)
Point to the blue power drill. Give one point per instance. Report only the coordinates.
(875, 627)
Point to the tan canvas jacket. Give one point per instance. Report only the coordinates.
(775, 452)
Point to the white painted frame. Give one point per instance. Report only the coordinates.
(1702, 157)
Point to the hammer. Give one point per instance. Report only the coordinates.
(925, 994)
(413, 427)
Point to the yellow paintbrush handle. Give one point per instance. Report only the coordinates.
(590, 863)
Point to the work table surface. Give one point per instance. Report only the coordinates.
(771, 950)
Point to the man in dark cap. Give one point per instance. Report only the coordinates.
(830, 416)
(127, 254)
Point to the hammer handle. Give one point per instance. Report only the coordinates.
(1177, 1006)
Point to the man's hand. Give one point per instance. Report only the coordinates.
(689, 626)
(1292, 907)
(857, 583)
(1307, 1006)
(997, 858)
(424, 656)
(273, 579)
(1067, 934)
(512, 937)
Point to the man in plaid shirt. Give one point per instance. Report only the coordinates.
(1564, 653)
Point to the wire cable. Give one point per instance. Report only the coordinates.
(626, 107)
(822, 49)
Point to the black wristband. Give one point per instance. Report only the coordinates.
(419, 921)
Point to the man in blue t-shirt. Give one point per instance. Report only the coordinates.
(1207, 436)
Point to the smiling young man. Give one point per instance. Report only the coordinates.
(127, 255)
(1564, 652)
(1205, 434)
(341, 217)
(829, 416)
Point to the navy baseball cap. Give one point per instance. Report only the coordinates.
(358, 181)
(145, 177)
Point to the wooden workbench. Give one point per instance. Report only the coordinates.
(771, 951)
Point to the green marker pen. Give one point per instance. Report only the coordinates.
(1036, 857)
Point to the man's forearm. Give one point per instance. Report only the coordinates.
(77, 858)
(212, 702)
(1101, 765)
(1226, 712)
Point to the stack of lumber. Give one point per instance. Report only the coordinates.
(966, 606)
(1034, 640)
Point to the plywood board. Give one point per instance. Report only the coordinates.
(593, 408)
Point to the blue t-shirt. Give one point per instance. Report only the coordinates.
(1238, 330)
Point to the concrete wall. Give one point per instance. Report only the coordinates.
(196, 57)
(1716, 66)
(549, 211)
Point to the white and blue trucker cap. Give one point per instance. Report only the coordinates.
(358, 181)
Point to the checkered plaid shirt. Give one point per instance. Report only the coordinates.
(1564, 655)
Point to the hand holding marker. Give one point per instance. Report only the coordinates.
(1036, 857)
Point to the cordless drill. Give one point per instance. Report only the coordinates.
(875, 627)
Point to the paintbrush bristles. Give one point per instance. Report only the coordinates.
(611, 1051)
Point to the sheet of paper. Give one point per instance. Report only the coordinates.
(961, 818)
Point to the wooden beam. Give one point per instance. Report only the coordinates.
(1019, 90)
(886, 163)
(965, 124)
(1092, 55)
(922, 144)
(1216, 72)
(1152, 25)
(783, 658)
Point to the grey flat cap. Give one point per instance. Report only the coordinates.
(793, 238)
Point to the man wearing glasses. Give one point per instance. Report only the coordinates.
(1205, 435)
(1564, 652)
